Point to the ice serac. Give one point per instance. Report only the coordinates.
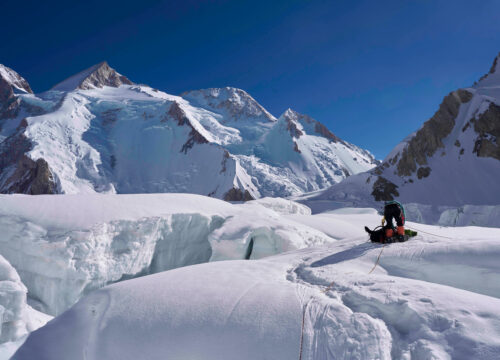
(97, 76)
(426, 299)
(452, 160)
(66, 246)
(17, 318)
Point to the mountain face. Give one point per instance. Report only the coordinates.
(11, 83)
(95, 77)
(99, 132)
(453, 159)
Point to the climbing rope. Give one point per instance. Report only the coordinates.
(428, 233)
(302, 329)
(378, 259)
(329, 287)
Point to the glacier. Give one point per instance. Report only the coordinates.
(65, 246)
(17, 318)
(433, 297)
(99, 132)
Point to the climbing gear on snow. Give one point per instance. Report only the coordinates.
(378, 259)
(441, 236)
(410, 233)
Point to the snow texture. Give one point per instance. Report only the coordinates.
(65, 246)
(17, 318)
(107, 135)
(433, 297)
(456, 178)
(19, 84)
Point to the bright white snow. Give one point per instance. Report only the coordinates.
(17, 318)
(64, 246)
(436, 296)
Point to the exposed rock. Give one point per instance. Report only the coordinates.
(384, 190)
(487, 125)
(394, 159)
(110, 116)
(494, 65)
(323, 131)
(296, 148)
(493, 68)
(293, 117)
(293, 129)
(429, 138)
(176, 112)
(225, 157)
(236, 102)
(19, 173)
(9, 103)
(17, 82)
(423, 172)
(97, 76)
(457, 143)
(238, 195)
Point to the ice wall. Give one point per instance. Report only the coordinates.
(66, 246)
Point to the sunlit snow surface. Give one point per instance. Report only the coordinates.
(127, 140)
(17, 319)
(64, 246)
(462, 188)
(433, 297)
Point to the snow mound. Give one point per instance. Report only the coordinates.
(283, 206)
(317, 303)
(65, 246)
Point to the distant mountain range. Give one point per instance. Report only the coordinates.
(99, 132)
(452, 160)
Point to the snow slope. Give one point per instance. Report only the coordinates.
(452, 161)
(434, 297)
(64, 246)
(99, 132)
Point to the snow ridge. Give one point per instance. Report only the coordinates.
(109, 135)
(452, 160)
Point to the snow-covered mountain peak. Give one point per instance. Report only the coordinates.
(14, 79)
(492, 78)
(495, 67)
(292, 115)
(306, 123)
(97, 76)
(452, 160)
(236, 103)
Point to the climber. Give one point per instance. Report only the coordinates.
(387, 232)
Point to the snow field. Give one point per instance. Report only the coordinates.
(65, 246)
(323, 297)
(433, 297)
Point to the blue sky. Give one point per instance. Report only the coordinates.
(372, 71)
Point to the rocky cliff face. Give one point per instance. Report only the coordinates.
(18, 172)
(453, 159)
(95, 77)
(429, 138)
(11, 83)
